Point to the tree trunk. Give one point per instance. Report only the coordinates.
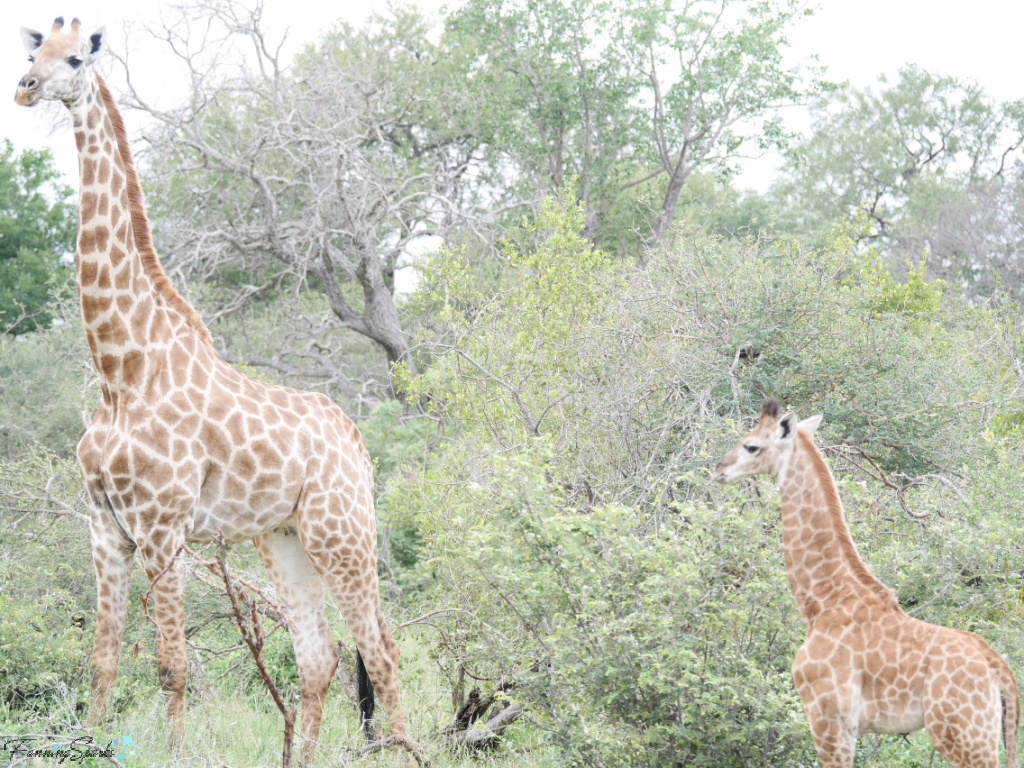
(668, 212)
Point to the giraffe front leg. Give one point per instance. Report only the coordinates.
(828, 707)
(166, 590)
(835, 743)
(833, 730)
(112, 560)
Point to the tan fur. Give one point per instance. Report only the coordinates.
(858, 570)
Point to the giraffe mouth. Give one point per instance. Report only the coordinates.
(27, 97)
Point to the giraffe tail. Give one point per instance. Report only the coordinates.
(364, 690)
(1011, 712)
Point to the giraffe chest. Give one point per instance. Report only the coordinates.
(871, 664)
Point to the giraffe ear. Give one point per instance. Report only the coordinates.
(810, 425)
(96, 41)
(787, 427)
(31, 39)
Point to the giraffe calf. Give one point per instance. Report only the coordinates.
(866, 666)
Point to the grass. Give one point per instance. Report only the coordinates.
(233, 724)
(231, 720)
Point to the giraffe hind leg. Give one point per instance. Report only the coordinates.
(341, 541)
(963, 716)
(376, 647)
(965, 744)
(301, 590)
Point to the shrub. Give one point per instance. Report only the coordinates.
(565, 516)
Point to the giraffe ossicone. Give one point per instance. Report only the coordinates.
(865, 665)
(185, 448)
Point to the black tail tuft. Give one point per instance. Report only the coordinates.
(364, 689)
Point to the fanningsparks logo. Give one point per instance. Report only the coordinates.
(68, 751)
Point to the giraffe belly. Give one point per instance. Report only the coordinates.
(893, 717)
(236, 522)
(240, 507)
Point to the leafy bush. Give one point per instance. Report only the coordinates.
(42, 647)
(46, 604)
(48, 386)
(565, 516)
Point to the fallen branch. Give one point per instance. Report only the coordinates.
(397, 741)
(487, 737)
(462, 731)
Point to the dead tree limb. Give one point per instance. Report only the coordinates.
(487, 737)
(397, 741)
(246, 615)
(461, 730)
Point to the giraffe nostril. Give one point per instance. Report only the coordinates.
(28, 82)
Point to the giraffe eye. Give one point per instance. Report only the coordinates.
(751, 448)
(75, 62)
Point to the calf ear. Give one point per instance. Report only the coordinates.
(810, 425)
(31, 39)
(787, 427)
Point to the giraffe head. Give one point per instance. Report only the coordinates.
(767, 448)
(59, 63)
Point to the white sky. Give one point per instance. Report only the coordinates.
(855, 39)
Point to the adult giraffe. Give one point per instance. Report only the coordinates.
(866, 666)
(186, 448)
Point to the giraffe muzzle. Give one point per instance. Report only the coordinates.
(28, 92)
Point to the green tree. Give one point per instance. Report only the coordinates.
(620, 97)
(316, 177)
(37, 228)
(932, 162)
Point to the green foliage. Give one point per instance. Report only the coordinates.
(41, 650)
(917, 295)
(874, 149)
(895, 370)
(933, 163)
(552, 294)
(45, 606)
(565, 514)
(47, 384)
(666, 643)
(626, 101)
(37, 228)
(395, 436)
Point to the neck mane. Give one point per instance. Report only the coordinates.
(822, 562)
(162, 285)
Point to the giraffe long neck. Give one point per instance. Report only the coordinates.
(822, 562)
(129, 308)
